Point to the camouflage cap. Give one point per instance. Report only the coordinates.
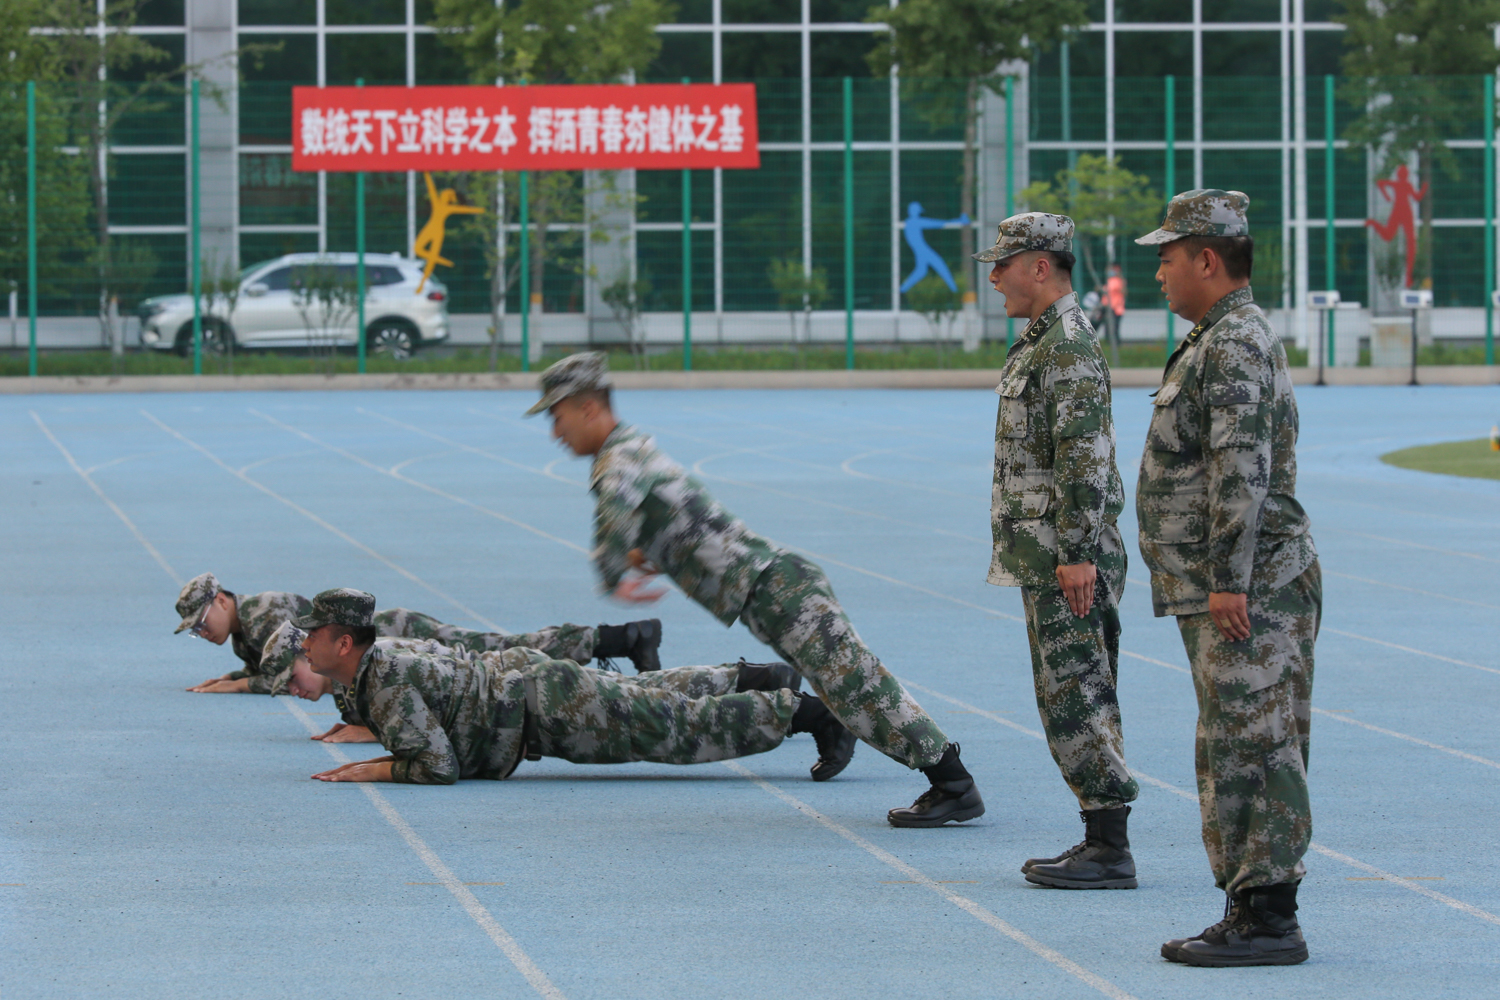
(1205, 212)
(194, 598)
(285, 642)
(573, 374)
(341, 606)
(1030, 231)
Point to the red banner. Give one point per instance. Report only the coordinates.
(606, 127)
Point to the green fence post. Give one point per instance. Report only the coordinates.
(197, 248)
(359, 260)
(31, 227)
(525, 272)
(849, 223)
(1489, 220)
(1010, 183)
(1328, 239)
(687, 265)
(1171, 124)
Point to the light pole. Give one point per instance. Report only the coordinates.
(1415, 299)
(1325, 302)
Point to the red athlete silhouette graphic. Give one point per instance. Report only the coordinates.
(1400, 194)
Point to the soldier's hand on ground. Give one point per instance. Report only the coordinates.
(633, 590)
(377, 769)
(637, 559)
(342, 733)
(1077, 582)
(1231, 615)
(222, 685)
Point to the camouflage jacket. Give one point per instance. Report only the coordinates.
(1216, 496)
(442, 714)
(1057, 491)
(647, 501)
(260, 615)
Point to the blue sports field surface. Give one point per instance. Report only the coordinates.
(160, 844)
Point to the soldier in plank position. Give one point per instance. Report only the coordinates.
(445, 715)
(652, 517)
(1232, 557)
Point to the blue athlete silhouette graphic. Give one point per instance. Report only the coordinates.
(927, 258)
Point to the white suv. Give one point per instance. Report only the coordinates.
(308, 300)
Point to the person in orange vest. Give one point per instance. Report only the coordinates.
(1114, 300)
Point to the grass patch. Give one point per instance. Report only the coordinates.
(1452, 458)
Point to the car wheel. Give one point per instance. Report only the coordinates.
(395, 340)
(215, 339)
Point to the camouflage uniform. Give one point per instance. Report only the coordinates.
(647, 501)
(446, 716)
(1218, 514)
(1056, 498)
(566, 642)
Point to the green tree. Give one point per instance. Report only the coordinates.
(543, 41)
(938, 305)
(626, 300)
(798, 290)
(1397, 53)
(931, 42)
(1103, 199)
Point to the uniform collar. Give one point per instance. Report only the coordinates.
(621, 432)
(1051, 315)
(1235, 299)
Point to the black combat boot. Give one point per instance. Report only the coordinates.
(767, 677)
(1261, 929)
(639, 641)
(1102, 861)
(953, 795)
(835, 742)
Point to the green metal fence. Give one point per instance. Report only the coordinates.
(98, 220)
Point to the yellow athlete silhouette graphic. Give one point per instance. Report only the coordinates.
(429, 245)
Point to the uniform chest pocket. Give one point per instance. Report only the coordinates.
(1012, 419)
(1233, 412)
(1164, 433)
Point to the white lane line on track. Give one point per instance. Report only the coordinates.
(911, 586)
(1409, 649)
(459, 445)
(1411, 545)
(1327, 852)
(1410, 739)
(1031, 944)
(160, 559)
(844, 466)
(476, 616)
(421, 485)
(1412, 590)
(472, 906)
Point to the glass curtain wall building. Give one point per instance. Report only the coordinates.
(1248, 95)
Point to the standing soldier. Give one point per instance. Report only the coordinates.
(1056, 498)
(652, 517)
(1232, 558)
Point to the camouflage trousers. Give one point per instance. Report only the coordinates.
(1254, 713)
(563, 642)
(792, 609)
(685, 715)
(1074, 665)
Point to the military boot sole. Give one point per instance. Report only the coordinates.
(843, 753)
(1210, 960)
(1172, 950)
(902, 818)
(1053, 882)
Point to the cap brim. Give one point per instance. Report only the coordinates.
(187, 623)
(308, 622)
(548, 401)
(995, 253)
(1160, 236)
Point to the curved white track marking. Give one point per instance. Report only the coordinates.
(722, 417)
(120, 461)
(1412, 590)
(844, 465)
(476, 616)
(910, 586)
(698, 471)
(460, 446)
(552, 465)
(278, 458)
(1411, 545)
(419, 458)
(1050, 955)
(160, 559)
(1409, 649)
(1410, 739)
(1167, 786)
(472, 906)
(421, 485)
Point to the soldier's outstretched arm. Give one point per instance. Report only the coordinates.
(343, 732)
(222, 685)
(378, 769)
